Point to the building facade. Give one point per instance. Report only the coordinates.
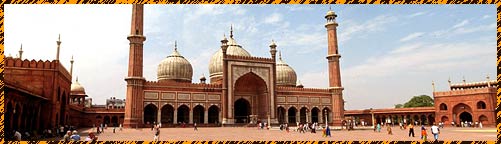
(243, 89)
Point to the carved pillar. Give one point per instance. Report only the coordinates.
(191, 116)
(206, 116)
(175, 116)
(321, 118)
(298, 116)
(159, 116)
(286, 117)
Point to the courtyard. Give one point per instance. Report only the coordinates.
(239, 133)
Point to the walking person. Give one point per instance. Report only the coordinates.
(480, 125)
(328, 131)
(287, 128)
(195, 125)
(75, 136)
(435, 131)
(67, 136)
(157, 134)
(389, 130)
(378, 127)
(423, 133)
(411, 130)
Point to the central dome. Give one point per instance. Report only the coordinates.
(216, 62)
(175, 67)
(286, 76)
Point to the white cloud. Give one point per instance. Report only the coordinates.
(416, 14)
(411, 36)
(421, 57)
(355, 30)
(273, 18)
(486, 16)
(461, 24)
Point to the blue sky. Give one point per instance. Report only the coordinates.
(389, 52)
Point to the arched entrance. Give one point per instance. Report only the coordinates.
(255, 90)
(8, 117)
(483, 119)
(114, 121)
(16, 119)
(292, 115)
(444, 119)
(459, 115)
(213, 114)
(150, 114)
(465, 116)
(326, 115)
(302, 114)
(431, 119)
(314, 114)
(242, 111)
(64, 101)
(107, 120)
(198, 114)
(183, 114)
(281, 115)
(99, 120)
(167, 114)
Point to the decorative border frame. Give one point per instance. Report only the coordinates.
(2, 36)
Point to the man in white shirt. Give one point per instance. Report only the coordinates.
(435, 131)
(17, 136)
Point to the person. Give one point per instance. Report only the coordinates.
(75, 136)
(423, 133)
(287, 128)
(67, 136)
(411, 130)
(17, 135)
(480, 125)
(120, 127)
(324, 134)
(91, 137)
(157, 135)
(389, 130)
(195, 125)
(435, 131)
(378, 127)
(328, 131)
(98, 130)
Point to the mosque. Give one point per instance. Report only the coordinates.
(243, 90)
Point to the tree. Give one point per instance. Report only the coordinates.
(399, 106)
(419, 101)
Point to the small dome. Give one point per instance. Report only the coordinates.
(330, 13)
(175, 67)
(216, 62)
(286, 76)
(76, 88)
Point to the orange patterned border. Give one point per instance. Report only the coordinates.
(2, 56)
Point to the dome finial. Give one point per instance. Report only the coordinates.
(175, 45)
(231, 31)
(280, 55)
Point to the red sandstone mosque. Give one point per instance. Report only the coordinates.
(243, 89)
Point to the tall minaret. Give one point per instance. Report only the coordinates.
(334, 70)
(58, 46)
(71, 67)
(21, 52)
(135, 79)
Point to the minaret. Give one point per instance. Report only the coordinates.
(450, 85)
(488, 81)
(71, 67)
(21, 52)
(58, 46)
(273, 52)
(333, 56)
(134, 102)
(224, 47)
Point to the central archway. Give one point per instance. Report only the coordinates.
(242, 111)
(167, 115)
(465, 116)
(458, 110)
(252, 88)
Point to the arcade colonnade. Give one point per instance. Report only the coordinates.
(168, 114)
(293, 115)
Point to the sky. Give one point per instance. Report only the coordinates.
(389, 53)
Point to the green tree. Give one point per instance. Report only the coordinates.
(419, 101)
(399, 106)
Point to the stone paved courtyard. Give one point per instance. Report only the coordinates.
(235, 133)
